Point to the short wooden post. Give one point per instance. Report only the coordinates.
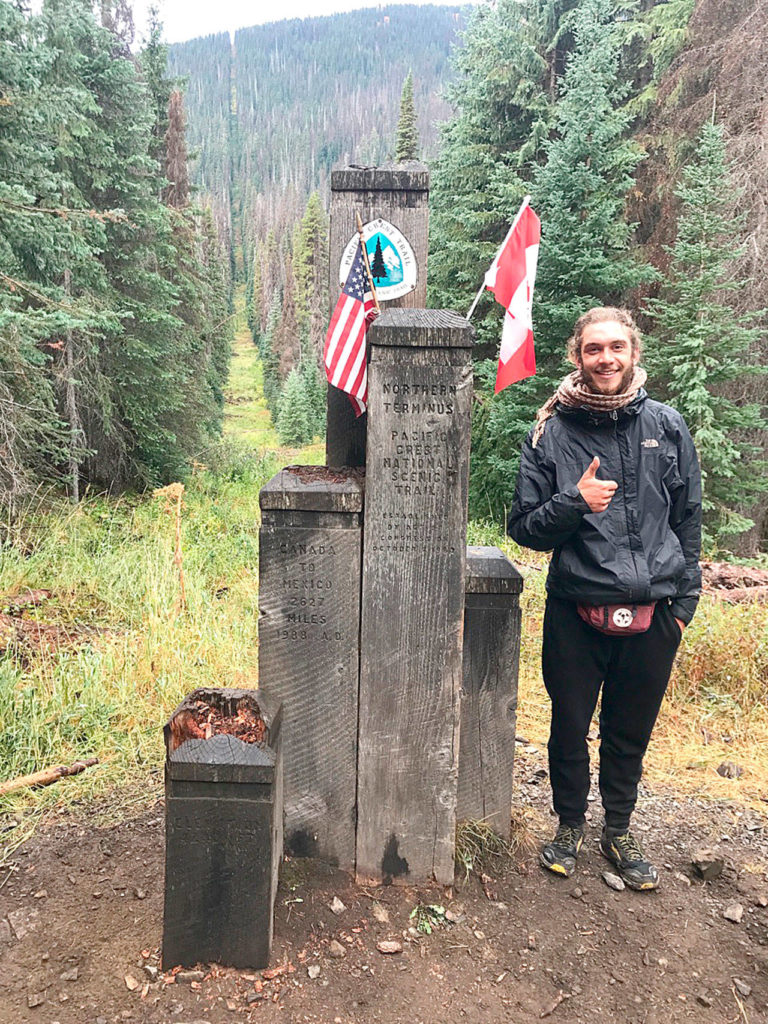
(399, 195)
(413, 594)
(223, 836)
(489, 689)
(309, 621)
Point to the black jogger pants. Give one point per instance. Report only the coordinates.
(634, 672)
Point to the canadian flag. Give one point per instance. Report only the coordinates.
(511, 278)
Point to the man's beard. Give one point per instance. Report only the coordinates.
(626, 380)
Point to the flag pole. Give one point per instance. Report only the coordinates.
(365, 260)
(481, 289)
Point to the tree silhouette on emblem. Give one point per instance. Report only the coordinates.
(378, 268)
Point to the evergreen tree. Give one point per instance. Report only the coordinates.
(316, 387)
(254, 299)
(35, 248)
(270, 357)
(580, 193)
(270, 273)
(407, 145)
(153, 61)
(310, 264)
(286, 341)
(378, 266)
(701, 346)
(295, 419)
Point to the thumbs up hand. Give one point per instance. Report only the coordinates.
(596, 493)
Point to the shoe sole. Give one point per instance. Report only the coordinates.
(630, 882)
(560, 869)
(556, 869)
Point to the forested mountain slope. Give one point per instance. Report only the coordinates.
(307, 95)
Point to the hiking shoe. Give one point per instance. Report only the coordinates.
(624, 851)
(560, 854)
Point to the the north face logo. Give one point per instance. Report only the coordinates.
(649, 442)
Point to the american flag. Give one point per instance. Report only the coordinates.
(345, 362)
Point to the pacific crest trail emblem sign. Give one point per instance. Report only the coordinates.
(390, 256)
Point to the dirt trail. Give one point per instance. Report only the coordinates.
(81, 920)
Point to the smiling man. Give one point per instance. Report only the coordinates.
(609, 481)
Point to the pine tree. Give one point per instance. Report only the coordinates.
(270, 357)
(407, 145)
(701, 345)
(113, 308)
(294, 420)
(310, 264)
(34, 250)
(316, 388)
(286, 341)
(378, 266)
(153, 61)
(504, 93)
(254, 299)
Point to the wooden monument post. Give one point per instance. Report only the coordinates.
(309, 624)
(417, 473)
(489, 689)
(393, 203)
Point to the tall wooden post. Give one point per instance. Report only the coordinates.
(420, 390)
(397, 196)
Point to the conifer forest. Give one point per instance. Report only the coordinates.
(142, 184)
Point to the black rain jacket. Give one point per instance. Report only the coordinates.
(646, 545)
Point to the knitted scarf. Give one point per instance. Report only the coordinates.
(574, 393)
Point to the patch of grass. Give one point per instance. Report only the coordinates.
(247, 417)
(478, 846)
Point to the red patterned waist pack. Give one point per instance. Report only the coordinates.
(617, 619)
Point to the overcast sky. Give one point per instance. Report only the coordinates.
(185, 19)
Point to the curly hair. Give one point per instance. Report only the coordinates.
(601, 315)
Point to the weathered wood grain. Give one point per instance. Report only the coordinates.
(489, 688)
(400, 195)
(413, 595)
(309, 618)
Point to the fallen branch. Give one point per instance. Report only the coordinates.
(47, 776)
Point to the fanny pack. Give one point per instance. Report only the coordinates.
(617, 619)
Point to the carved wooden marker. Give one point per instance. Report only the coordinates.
(489, 689)
(399, 196)
(309, 605)
(417, 473)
